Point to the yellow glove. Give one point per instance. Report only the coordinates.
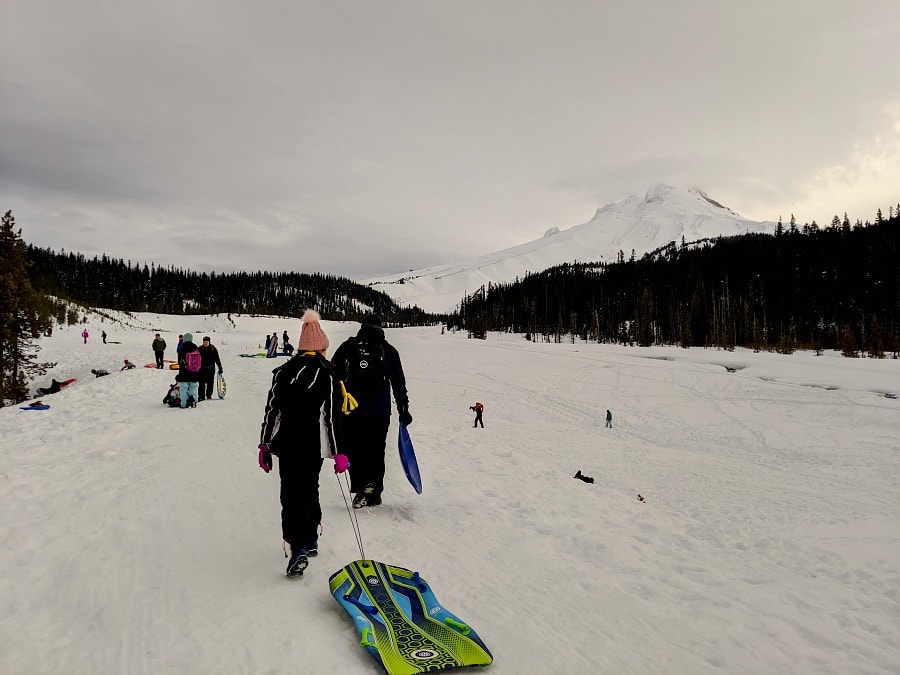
(350, 403)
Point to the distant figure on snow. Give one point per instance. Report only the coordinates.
(284, 338)
(187, 379)
(179, 346)
(85, 335)
(52, 389)
(608, 419)
(128, 366)
(478, 408)
(173, 396)
(159, 348)
(99, 372)
(209, 356)
(287, 348)
(103, 335)
(268, 341)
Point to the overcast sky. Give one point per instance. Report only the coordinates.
(367, 137)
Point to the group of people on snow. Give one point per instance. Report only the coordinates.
(286, 346)
(196, 369)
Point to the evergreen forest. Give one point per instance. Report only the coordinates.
(810, 288)
(118, 285)
(836, 287)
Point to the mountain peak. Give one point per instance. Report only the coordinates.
(664, 214)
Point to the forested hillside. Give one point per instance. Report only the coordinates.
(837, 287)
(114, 284)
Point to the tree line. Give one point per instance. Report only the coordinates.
(116, 284)
(39, 286)
(814, 288)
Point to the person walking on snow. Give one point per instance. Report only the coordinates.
(187, 380)
(302, 426)
(608, 419)
(370, 367)
(159, 348)
(103, 335)
(210, 359)
(478, 408)
(85, 335)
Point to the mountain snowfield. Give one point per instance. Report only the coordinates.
(642, 224)
(143, 539)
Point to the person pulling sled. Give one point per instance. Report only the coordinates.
(302, 426)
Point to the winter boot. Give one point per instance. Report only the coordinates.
(367, 497)
(298, 562)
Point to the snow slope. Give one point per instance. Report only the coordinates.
(664, 214)
(143, 539)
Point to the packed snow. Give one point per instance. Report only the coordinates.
(743, 516)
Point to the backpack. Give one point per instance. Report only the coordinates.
(192, 360)
(366, 370)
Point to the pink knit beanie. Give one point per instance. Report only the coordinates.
(312, 337)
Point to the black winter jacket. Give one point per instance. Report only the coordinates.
(303, 408)
(209, 357)
(380, 403)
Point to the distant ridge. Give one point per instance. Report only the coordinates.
(665, 213)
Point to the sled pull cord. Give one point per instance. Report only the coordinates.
(352, 513)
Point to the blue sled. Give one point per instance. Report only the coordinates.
(408, 459)
(401, 623)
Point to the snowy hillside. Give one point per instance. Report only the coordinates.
(142, 539)
(664, 214)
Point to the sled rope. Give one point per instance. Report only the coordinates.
(351, 512)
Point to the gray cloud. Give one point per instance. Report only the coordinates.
(362, 138)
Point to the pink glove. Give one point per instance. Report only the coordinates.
(265, 458)
(341, 463)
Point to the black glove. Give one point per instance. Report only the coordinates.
(405, 417)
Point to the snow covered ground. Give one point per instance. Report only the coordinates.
(142, 539)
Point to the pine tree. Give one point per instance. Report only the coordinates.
(23, 316)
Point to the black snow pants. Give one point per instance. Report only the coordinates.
(364, 443)
(300, 509)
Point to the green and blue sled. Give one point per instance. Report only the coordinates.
(400, 621)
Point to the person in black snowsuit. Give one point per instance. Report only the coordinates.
(209, 356)
(302, 426)
(370, 367)
(608, 419)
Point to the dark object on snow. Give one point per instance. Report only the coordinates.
(581, 476)
(173, 396)
(641, 499)
(54, 388)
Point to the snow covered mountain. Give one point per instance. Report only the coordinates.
(664, 214)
